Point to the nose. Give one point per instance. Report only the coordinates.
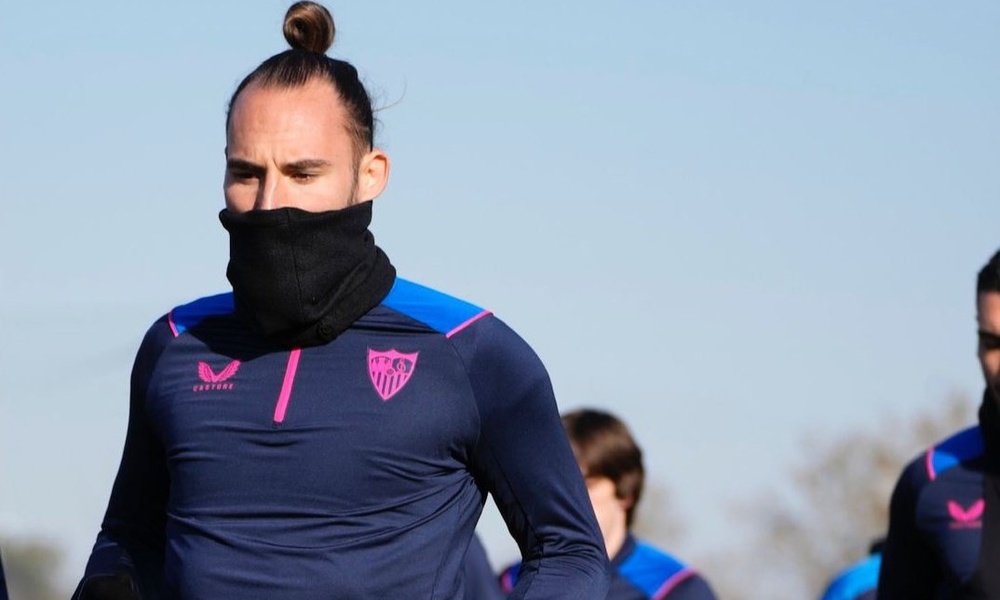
(270, 192)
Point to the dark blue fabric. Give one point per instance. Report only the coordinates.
(855, 582)
(640, 571)
(935, 522)
(3, 581)
(480, 581)
(349, 495)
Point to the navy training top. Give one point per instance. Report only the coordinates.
(935, 522)
(640, 571)
(355, 469)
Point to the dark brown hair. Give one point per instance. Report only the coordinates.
(988, 279)
(604, 448)
(309, 30)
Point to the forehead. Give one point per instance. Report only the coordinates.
(304, 115)
(988, 311)
(600, 485)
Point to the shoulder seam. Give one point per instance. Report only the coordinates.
(468, 322)
(437, 310)
(675, 580)
(930, 469)
(177, 328)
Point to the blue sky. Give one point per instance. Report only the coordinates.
(736, 224)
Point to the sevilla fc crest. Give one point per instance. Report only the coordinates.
(389, 371)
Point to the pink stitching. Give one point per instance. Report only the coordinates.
(467, 323)
(170, 320)
(673, 582)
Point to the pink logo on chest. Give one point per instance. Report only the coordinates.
(213, 380)
(389, 371)
(966, 518)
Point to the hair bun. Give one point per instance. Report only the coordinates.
(309, 27)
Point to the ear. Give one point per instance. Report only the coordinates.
(373, 174)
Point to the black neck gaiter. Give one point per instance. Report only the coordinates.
(302, 278)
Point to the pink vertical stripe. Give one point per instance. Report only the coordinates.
(673, 582)
(930, 465)
(466, 323)
(286, 386)
(170, 320)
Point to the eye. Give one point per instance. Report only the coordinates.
(303, 177)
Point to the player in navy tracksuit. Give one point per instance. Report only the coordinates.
(944, 540)
(611, 461)
(329, 430)
(860, 580)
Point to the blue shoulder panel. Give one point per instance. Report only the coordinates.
(648, 568)
(440, 311)
(964, 445)
(855, 581)
(186, 316)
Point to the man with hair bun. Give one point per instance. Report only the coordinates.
(611, 463)
(944, 516)
(328, 429)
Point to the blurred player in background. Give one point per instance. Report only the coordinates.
(860, 580)
(611, 463)
(944, 518)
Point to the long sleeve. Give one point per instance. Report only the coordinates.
(908, 571)
(523, 457)
(127, 559)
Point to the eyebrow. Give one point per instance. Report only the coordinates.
(244, 165)
(299, 165)
(306, 165)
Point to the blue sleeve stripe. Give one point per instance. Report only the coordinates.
(441, 312)
(188, 315)
(855, 581)
(962, 446)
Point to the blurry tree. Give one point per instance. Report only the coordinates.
(31, 567)
(836, 503)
